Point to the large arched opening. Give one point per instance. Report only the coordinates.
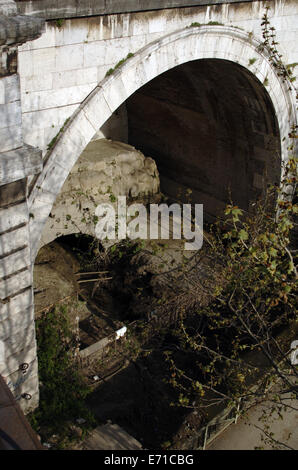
(211, 127)
(188, 45)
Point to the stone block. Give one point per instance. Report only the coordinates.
(13, 240)
(97, 109)
(10, 114)
(25, 64)
(13, 363)
(17, 304)
(135, 77)
(11, 138)
(35, 138)
(40, 100)
(12, 192)
(75, 77)
(47, 39)
(71, 32)
(39, 120)
(43, 60)
(15, 283)
(116, 50)
(29, 386)
(10, 89)
(114, 91)
(13, 216)
(53, 184)
(96, 54)
(70, 57)
(16, 321)
(18, 340)
(36, 82)
(18, 378)
(75, 139)
(15, 262)
(98, 346)
(157, 24)
(20, 163)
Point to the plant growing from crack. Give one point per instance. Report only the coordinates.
(121, 62)
(54, 140)
(270, 44)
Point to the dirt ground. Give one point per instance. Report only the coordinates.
(133, 393)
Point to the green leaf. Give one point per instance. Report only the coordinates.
(243, 235)
(272, 251)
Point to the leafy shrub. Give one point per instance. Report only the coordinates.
(62, 388)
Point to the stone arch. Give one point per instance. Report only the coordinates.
(193, 43)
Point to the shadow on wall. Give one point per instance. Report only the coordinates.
(211, 127)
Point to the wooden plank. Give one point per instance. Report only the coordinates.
(94, 280)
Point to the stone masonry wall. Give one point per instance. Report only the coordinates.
(17, 162)
(43, 79)
(64, 65)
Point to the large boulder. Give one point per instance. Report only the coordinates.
(105, 170)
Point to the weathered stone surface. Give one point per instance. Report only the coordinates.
(8, 7)
(105, 170)
(15, 282)
(18, 29)
(19, 339)
(13, 240)
(19, 304)
(12, 193)
(19, 163)
(14, 361)
(51, 9)
(15, 262)
(61, 65)
(17, 379)
(54, 278)
(13, 216)
(11, 137)
(20, 320)
(107, 167)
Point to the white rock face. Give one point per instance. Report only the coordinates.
(8, 7)
(104, 171)
(107, 167)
